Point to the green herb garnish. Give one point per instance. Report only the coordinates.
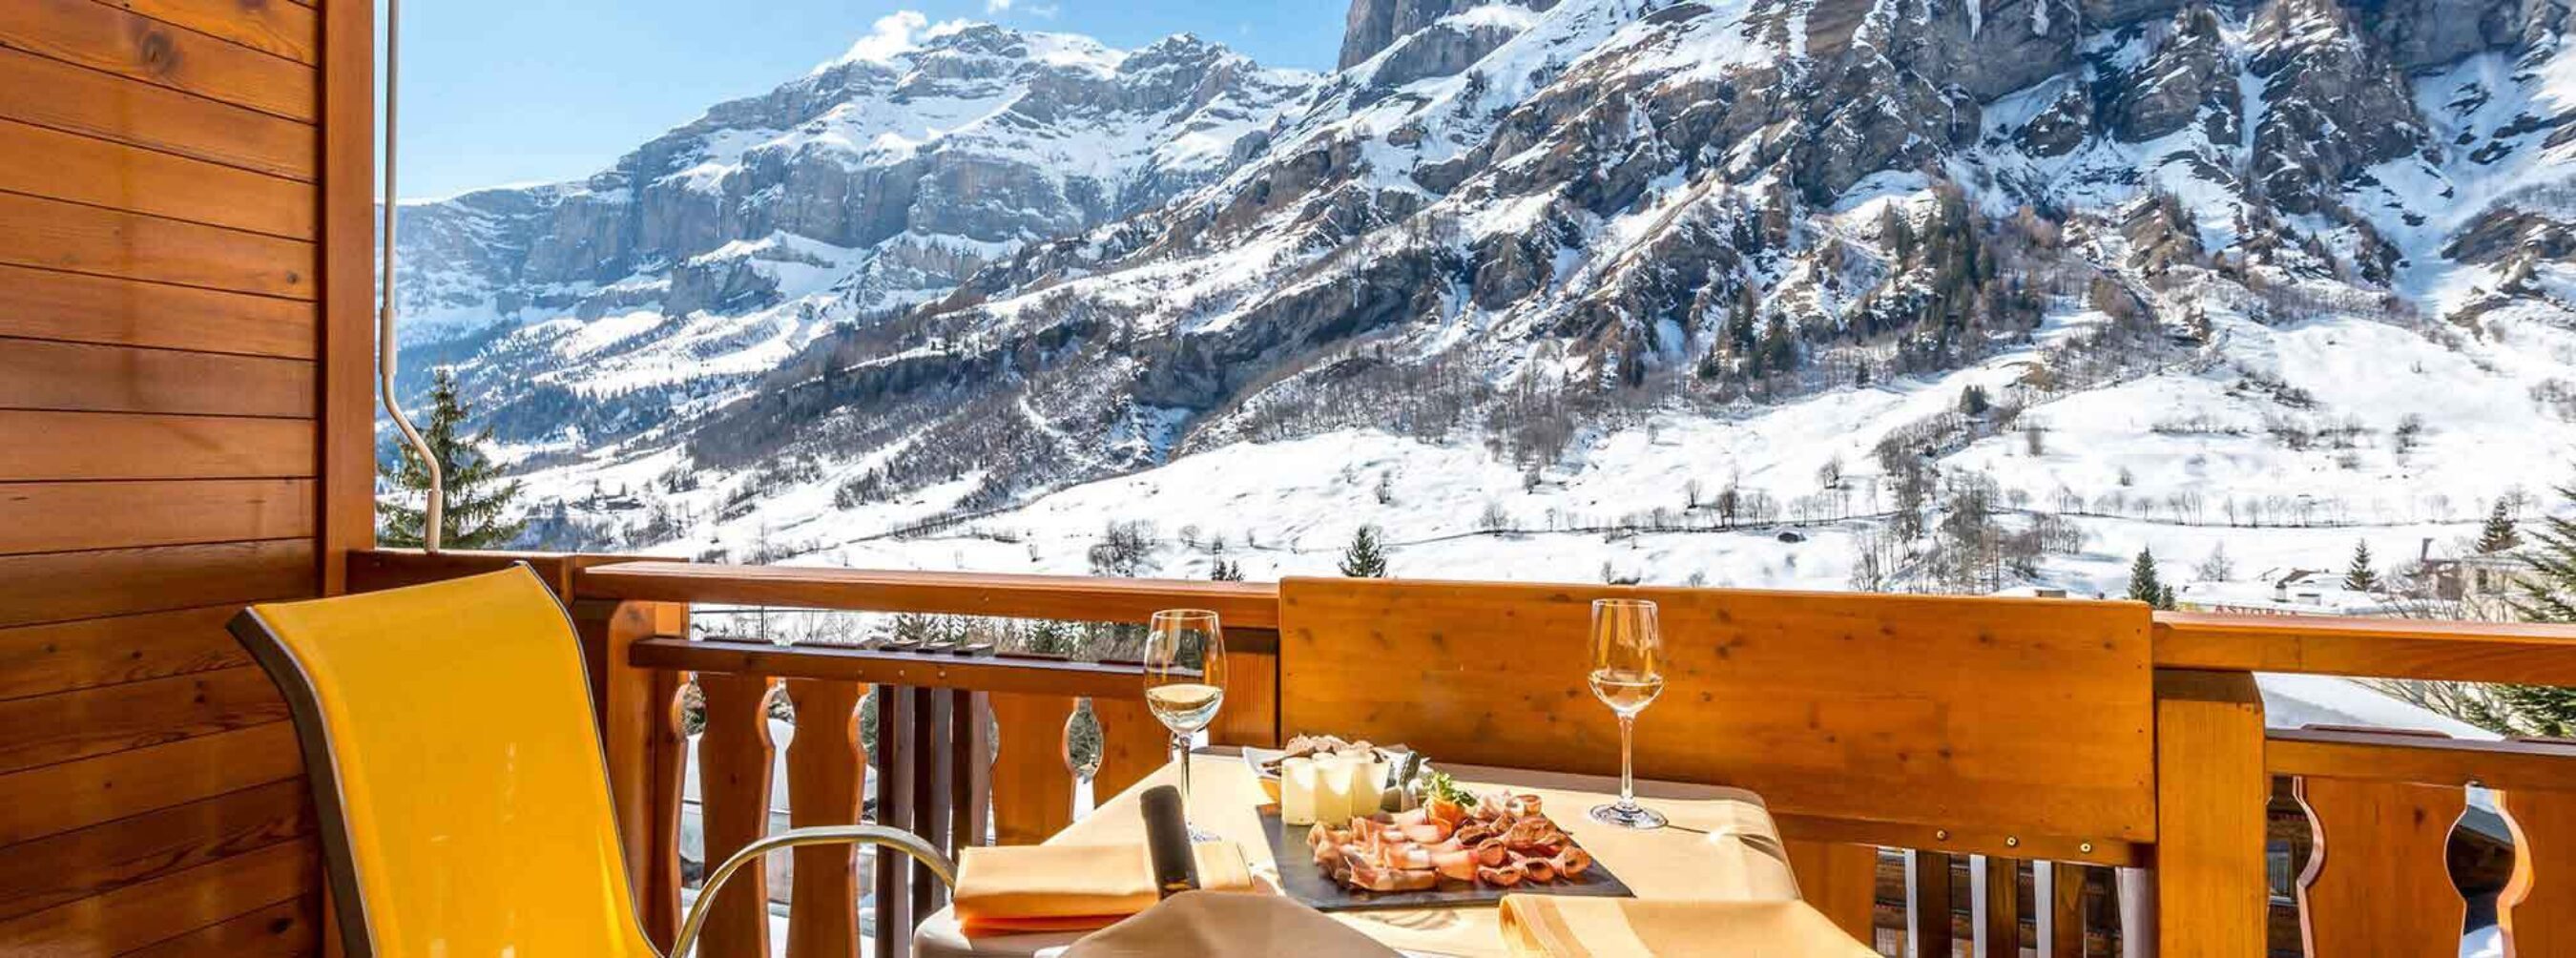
(1439, 785)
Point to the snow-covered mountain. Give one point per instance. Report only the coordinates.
(1970, 293)
(711, 254)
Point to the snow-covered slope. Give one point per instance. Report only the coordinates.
(1631, 288)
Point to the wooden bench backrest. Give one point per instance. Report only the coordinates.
(1991, 721)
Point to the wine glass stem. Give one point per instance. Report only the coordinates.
(1627, 761)
(1181, 754)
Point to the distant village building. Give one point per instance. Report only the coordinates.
(2291, 591)
(2483, 585)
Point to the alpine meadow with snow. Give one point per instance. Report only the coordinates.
(1901, 295)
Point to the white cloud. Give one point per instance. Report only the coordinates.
(1042, 11)
(892, 34)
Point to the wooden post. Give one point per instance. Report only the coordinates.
(2538, 908)
(1927, 903)
(1841, 880)
(2057, 893)
(1133, 744)
(1032, 790)
(824, 768)
(734, 758)
(1251, 713)
(970, 780)
(2379, 879)
(640, 735)
(1997, 905)
(2212, 888)
(894, 765)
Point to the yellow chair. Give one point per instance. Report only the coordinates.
(463, 795)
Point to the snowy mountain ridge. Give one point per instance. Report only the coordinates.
(874, 183)
(2287, 264)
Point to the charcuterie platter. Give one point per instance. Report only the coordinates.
(1349, 832)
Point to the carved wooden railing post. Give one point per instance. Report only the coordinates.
(1032, 790)
(1133, 743)
(2212, 792)
(2538, 908)
(734, 756)
(824, 771)
(2379, 879)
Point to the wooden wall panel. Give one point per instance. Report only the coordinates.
(84, 101)
(2004, 717)
(117, 718)
(68, 656)
(283, 930)
(79, 445)
(98, 860)
(172, 353)
(67, 516)
(288, 30)
(72, 795)
(42, 374)
(53, 234)
(43, 162)
(60, 586)
(103, 38)
(145, 914)
(44, 304)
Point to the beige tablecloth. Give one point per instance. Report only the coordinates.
(1723, 846)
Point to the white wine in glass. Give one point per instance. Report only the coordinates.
(1185, 681)
(1627, 654)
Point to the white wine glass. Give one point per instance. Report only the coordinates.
(1185, 681)
(1627, 673)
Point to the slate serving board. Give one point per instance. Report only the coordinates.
(1302, 880)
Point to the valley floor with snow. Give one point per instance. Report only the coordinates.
(2183, 462)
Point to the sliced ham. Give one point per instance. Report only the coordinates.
(1502, 841)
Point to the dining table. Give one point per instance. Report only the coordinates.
(1721, 844)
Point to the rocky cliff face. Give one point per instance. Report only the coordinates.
(1569, 207)
(875, 183)
(1592, 191)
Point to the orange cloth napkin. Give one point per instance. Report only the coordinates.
(1074, 887)
(1197, 924)
(1557, 926)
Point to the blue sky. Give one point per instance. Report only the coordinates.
(504, 91)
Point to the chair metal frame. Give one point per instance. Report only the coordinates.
(879, 836)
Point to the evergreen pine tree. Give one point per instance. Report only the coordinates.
(2549, 579)
(479, 503)
(2359, 576)
(1365, 559)
(2499, 535)
(1973, 401)
(2143, 584)
(1893, 231)
(2548, 595)
(1779, 347)
(1226, 572)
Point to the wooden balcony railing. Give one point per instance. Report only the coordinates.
(2078, 778)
